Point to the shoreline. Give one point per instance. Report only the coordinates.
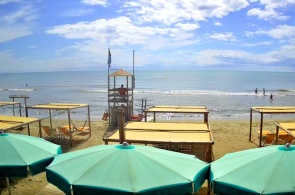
(228, 135)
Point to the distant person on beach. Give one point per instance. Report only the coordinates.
(256, 91)
(271, 97)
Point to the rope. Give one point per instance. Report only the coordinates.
(76, 127)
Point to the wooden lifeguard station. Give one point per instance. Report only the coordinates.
(120, 95)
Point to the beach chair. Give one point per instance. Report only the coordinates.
(264, 139)
(51, 134)
(264, 135)
(65, 133)
(268, 139)
(286, 138)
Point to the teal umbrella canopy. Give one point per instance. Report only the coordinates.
(20, 152)
(267, 170)
(126, 169)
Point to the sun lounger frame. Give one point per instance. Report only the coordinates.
(63, 106)
(268, 110)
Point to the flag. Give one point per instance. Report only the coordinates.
(109, 59)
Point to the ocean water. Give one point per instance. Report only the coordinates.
(227, 94)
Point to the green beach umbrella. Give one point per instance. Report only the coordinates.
(22, 152)
(267, 170)
(126, 169)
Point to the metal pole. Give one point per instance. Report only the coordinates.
(133, 85)
(109, 63)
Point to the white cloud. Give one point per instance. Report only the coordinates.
(187, 27)
(271, 9)
(224, 36)
(218, 24)
(277, 4)
(170, 12)
(266, 14)
(17, 23)
(3, 2)
(8, 33)
(25, 13)
(264, 43)
(280, 32)
(76, 12)
(244, 60)
(95, 2)
(83, 56)
(121, 31)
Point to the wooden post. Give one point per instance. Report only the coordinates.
(70, 129)
(40, 131)
(205, 117)
(25, 97)
(261, 126)
(121, 119)
(250, 133)
(277, 134)
(89, 123)
(50, 119)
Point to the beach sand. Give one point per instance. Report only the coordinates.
(229, 136)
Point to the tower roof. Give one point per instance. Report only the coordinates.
(121, 72)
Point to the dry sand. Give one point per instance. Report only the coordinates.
(229, 136)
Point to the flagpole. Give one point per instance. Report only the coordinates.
(133, 62)
(133, 78)
(133, 84)
(109, 64)
(109, 69)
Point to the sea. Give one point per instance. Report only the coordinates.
(226, 94)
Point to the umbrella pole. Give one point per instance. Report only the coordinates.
(8, 186)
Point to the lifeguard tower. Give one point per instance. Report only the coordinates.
(120, 95)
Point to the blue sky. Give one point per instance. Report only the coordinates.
(63, 35)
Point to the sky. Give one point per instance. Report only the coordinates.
(74, 35)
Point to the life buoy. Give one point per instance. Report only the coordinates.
(136, 117)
